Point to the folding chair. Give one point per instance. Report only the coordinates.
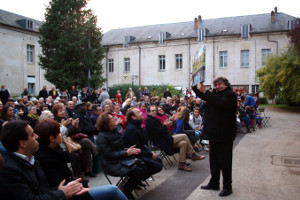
(265, 119)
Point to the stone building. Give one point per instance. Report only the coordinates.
(164, 54)
(19, 49)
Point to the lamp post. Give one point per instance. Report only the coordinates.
(89, 47)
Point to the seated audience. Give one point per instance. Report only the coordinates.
(114, 156)
(160, 136)
(53, 161)
(135, 135)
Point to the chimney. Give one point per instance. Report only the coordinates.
(195, 24)
(272, 17)
(199, 18)
(275, 9)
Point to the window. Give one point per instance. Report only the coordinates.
(29, 24)
(31, 84)
(162, 38)
(245, 30)
(245, 58)
(292, 24)
(201, 34)
(223, 59)
(178, 58)
(265, 53)
(255, 89)
(127, 64)
(110, 65)
(30, 53)
(162, 62)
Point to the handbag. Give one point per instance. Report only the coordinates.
(79, 136)
(71, 145)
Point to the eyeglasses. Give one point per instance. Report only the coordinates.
(160, 110)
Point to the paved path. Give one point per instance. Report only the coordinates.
(255, 175)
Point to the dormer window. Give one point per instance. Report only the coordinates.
(292, 24)
(29, 24)
(162, 37)
(127, 40)
(201, 33)
(245, 30)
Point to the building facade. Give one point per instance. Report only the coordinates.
(19, 49)
(164, 54)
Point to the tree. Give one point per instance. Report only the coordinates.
(281, 77)
(71, 45)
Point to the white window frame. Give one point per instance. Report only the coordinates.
(245, 30)
(245, 58)
(223, 56)
(29, 24)
(178, 61)
(162, 37)
(201, 34)
(126, 64)
(30, 53)
(265, 53)
(110, 65)
(162, 62)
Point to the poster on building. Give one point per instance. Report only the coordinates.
(198, 65)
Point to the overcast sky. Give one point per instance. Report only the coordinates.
(113, 14)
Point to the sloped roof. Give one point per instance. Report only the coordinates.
(259, 23)
(11, 19)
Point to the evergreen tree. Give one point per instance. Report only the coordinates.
(71, 45)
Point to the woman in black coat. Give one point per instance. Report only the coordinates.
(114, 156)
(54, 161)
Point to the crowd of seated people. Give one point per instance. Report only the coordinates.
(171, 123)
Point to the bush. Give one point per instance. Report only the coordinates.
(156, 90)
(263, 100)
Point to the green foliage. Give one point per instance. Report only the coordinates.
(156, 90)
(263, 100)
(71, 45)
(281, 77)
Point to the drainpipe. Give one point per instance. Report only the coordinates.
(106, 66)
(189, 71)
(213, 59)
(268, 37)
(140, 59)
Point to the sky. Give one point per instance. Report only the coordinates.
(114, 14)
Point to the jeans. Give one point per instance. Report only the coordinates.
(107, 192)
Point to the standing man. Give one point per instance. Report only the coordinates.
(103, 96)
(73, 92)
(146, 92)
(139, 93)
(53, 93)
(167, 93)
(220, 125)
(43, 93)
(4, 94)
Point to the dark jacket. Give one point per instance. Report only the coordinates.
(43, 93)
(111, 150)
(135, 135)
(86, 125)
(159, 134)
(54, 163)
(21, 180)
(220, 114)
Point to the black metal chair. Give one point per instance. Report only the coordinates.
(265, 118)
